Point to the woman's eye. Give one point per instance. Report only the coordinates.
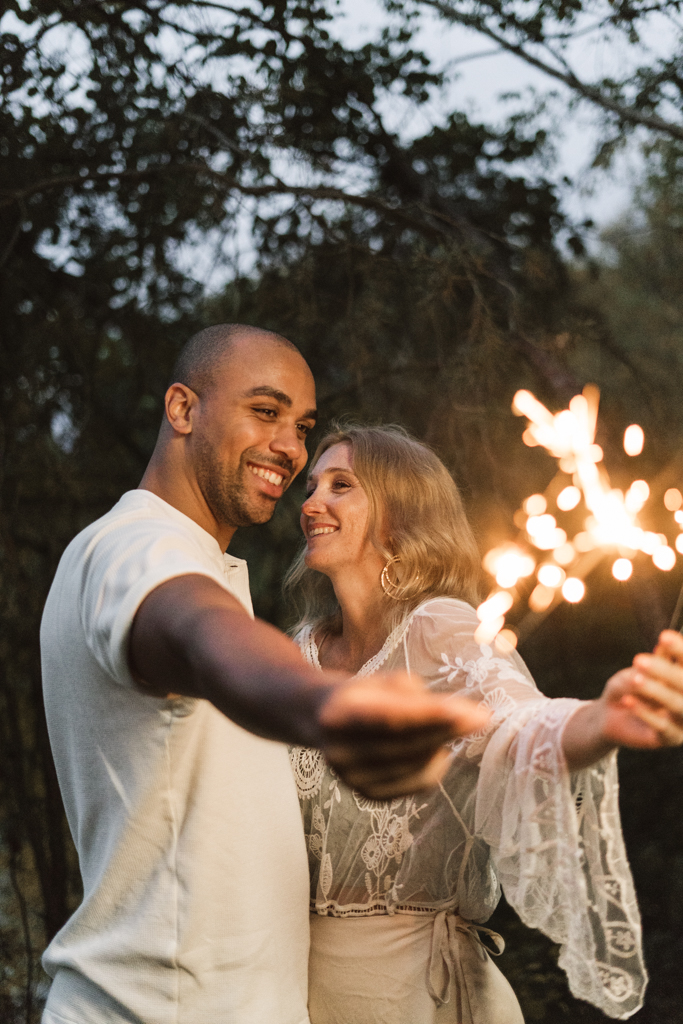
(341, 483)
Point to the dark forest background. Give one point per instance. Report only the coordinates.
(425, 277)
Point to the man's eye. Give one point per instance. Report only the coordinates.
(266, 411)
(304, 428)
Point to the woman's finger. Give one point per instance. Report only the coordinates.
(659, 693)
(670, 734)
(670, 645)
(660, 668)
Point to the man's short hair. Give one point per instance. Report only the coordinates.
(201, 356)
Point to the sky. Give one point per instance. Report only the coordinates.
(597, 195)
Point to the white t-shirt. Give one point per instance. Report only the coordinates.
(195, 906)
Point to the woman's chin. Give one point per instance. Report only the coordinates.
(315, 561)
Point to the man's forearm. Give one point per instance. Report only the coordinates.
(191, 638)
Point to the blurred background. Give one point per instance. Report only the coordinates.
(440, 202)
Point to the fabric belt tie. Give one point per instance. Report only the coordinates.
(446, 956)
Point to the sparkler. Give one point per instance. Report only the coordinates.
(610, 524)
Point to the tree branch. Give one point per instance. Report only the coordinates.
(568, 77)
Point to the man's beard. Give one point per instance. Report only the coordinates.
(225, 490)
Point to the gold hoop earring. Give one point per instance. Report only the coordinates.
(392, 589)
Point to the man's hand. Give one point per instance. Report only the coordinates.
(640, 707)
(384, 735)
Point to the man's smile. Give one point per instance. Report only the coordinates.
(270, 475)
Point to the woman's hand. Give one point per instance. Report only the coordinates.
(640, 707)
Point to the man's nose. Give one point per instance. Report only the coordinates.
(288, 442)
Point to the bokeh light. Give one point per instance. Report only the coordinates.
(622, 568)
(673, 499)
(573, 590)
(634, 439)
(568, 498)
(535, 505)
(551, 575)
(664, 557)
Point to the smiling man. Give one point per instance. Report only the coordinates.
(164, 697)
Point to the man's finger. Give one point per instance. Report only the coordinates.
(345, 749)
(386, 709)
(424, 778)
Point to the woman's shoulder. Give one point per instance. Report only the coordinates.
(305, 640)
(441, 607)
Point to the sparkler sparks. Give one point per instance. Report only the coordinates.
(610, 522)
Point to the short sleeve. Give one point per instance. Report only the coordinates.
(122, 564)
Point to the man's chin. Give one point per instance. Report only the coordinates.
(259, 512)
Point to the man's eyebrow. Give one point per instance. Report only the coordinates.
(268, 392)
(281, 397)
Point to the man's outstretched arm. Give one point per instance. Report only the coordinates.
(384, 734)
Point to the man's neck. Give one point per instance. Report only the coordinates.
(173, 486)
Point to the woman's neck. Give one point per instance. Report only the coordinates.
(363, 616)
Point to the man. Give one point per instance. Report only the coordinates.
(186, 824)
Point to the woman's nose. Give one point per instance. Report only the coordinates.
(313, 504)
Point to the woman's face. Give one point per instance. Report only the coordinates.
(334, 516)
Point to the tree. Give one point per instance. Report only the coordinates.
(131, 134)
(647, 93)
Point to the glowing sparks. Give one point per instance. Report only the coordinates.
(509, 563)
(610, 518)
(622, 569)
(541, 597)
(673, 499)
(506, 640)
(568, 498)
(535, 505)
(573, 590)
(634, 439)
(664, 557)
(496, 605)
(551, 575)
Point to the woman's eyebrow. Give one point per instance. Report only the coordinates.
(333, 469)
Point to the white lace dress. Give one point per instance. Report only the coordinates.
(508, 814)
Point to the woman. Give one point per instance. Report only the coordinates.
(400, 888)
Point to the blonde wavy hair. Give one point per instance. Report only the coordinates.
(416, 507)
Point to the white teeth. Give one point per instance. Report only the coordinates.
(267, 474)
(316, 530)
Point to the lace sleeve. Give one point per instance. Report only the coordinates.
(555, 836)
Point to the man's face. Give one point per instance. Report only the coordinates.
(249, 431)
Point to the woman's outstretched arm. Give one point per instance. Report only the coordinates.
(640, 707)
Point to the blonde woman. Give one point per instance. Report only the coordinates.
(400, 889)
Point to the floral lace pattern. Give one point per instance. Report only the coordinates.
(507, 814)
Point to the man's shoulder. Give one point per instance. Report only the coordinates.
(138, 512)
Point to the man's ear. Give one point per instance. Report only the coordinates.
(180, 402)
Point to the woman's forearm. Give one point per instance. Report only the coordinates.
(584, 741)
